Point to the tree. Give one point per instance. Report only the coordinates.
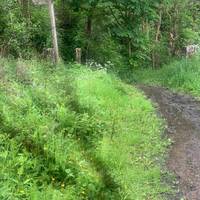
(144, 33)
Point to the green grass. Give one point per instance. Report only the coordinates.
(74, 133)
(182, 75)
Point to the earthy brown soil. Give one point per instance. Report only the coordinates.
(182, 113)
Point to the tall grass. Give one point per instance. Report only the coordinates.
(74, 133)
(182, 75)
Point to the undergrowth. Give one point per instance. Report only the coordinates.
(182, 75)
(74, 133)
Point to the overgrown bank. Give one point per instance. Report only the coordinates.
(182, 75)
(74, 133)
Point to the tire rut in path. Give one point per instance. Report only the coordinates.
(182, 113)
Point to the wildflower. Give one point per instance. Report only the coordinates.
(62, 185)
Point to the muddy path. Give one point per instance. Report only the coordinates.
(182, 114)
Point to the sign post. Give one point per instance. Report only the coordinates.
(53, 26)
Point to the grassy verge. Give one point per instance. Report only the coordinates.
(183, 75)
(74, 133)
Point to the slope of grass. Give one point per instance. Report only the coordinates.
(74, 133)
(182, 75)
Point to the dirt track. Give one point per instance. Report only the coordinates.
(182, 113)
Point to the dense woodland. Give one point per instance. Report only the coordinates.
(133, 33)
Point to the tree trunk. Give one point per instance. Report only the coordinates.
(88, 33)
(129, 48)
(89, 25)
(25, 8)
(155, 53)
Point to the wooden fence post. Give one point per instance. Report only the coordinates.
(78, 55)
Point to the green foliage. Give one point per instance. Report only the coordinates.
(61, 130)
(127, 33)
(24, 29)
(127, 149)
(182, 75)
